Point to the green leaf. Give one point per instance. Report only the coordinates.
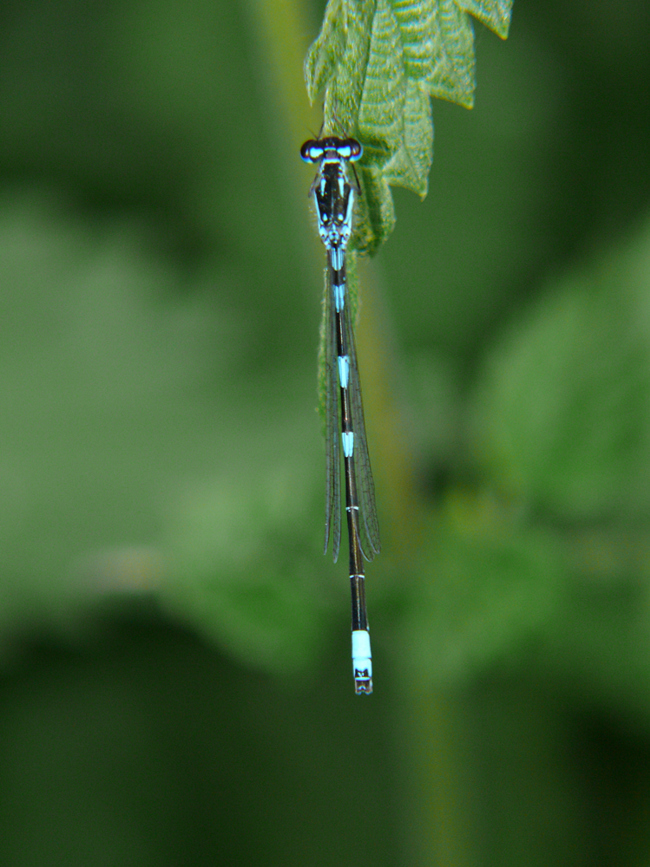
(378, 63)
(495, 14)
(242, 575)
(563, 409)
(324, 54)
(490, 586)
(99, 374)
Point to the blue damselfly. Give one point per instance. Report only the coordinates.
(334, 190)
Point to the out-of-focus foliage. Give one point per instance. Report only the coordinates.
(560, 431)
(160, 286)
(573, 380)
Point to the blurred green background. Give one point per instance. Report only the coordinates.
(176, 685)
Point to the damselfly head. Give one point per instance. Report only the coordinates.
(331, 148)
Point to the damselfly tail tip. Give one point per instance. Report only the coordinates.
(362, 684)
(362, 661)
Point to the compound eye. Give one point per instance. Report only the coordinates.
(355, 149)
(348, 149)
(311, 151)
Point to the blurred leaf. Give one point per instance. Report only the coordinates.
(556, 543)
(563, 408)
(106, 385)
(379, 63)
(241, 571)
(489, 586)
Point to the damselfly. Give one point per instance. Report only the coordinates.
(334, 192)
